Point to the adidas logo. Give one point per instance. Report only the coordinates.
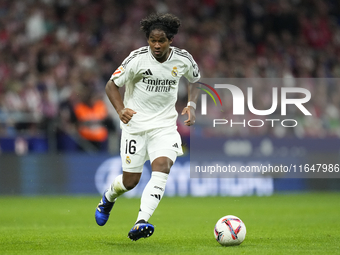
(158, 196)
(148, 72)
(175, 145)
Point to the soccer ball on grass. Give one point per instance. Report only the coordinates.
(230, 230)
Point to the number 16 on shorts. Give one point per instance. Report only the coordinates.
(130, 146)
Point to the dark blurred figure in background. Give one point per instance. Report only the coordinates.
(93, 122)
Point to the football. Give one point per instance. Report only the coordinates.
(230, 230)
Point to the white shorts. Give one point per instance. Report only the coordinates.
(136, 149)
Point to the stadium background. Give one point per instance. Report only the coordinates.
(53, 51)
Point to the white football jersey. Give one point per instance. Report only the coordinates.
(152, 87)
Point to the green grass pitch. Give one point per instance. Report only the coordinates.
(279, 224)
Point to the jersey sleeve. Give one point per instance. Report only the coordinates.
(124, 72)
(193, 72)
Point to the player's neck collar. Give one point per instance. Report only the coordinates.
(171, 52)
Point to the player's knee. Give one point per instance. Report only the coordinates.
(130, 184)
(130, 180)
(162, 165)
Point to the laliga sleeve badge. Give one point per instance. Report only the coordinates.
(119, 71)
(128, 160)
(174, 72)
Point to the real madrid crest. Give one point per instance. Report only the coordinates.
(128, 160)
(174, 71)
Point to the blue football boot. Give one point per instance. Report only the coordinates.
(141, 229)
(103, 211)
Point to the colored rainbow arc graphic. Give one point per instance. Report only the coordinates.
(209, 93)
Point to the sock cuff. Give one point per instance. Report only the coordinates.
(159, 175)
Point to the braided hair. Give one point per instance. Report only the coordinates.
(167, 22)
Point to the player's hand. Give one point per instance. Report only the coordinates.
(191, 115)
(126, 114)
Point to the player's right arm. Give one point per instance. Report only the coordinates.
(112, 91)
(123, 74)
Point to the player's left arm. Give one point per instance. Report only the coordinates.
(193, 76)
(193, 93)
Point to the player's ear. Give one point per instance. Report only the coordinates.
(148, 39)
(170, 40)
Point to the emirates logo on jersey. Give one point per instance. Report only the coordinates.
(157, 81)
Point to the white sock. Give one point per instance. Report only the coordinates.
(116, 189)
(152, 195)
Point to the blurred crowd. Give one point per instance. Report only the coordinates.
(51, 51)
